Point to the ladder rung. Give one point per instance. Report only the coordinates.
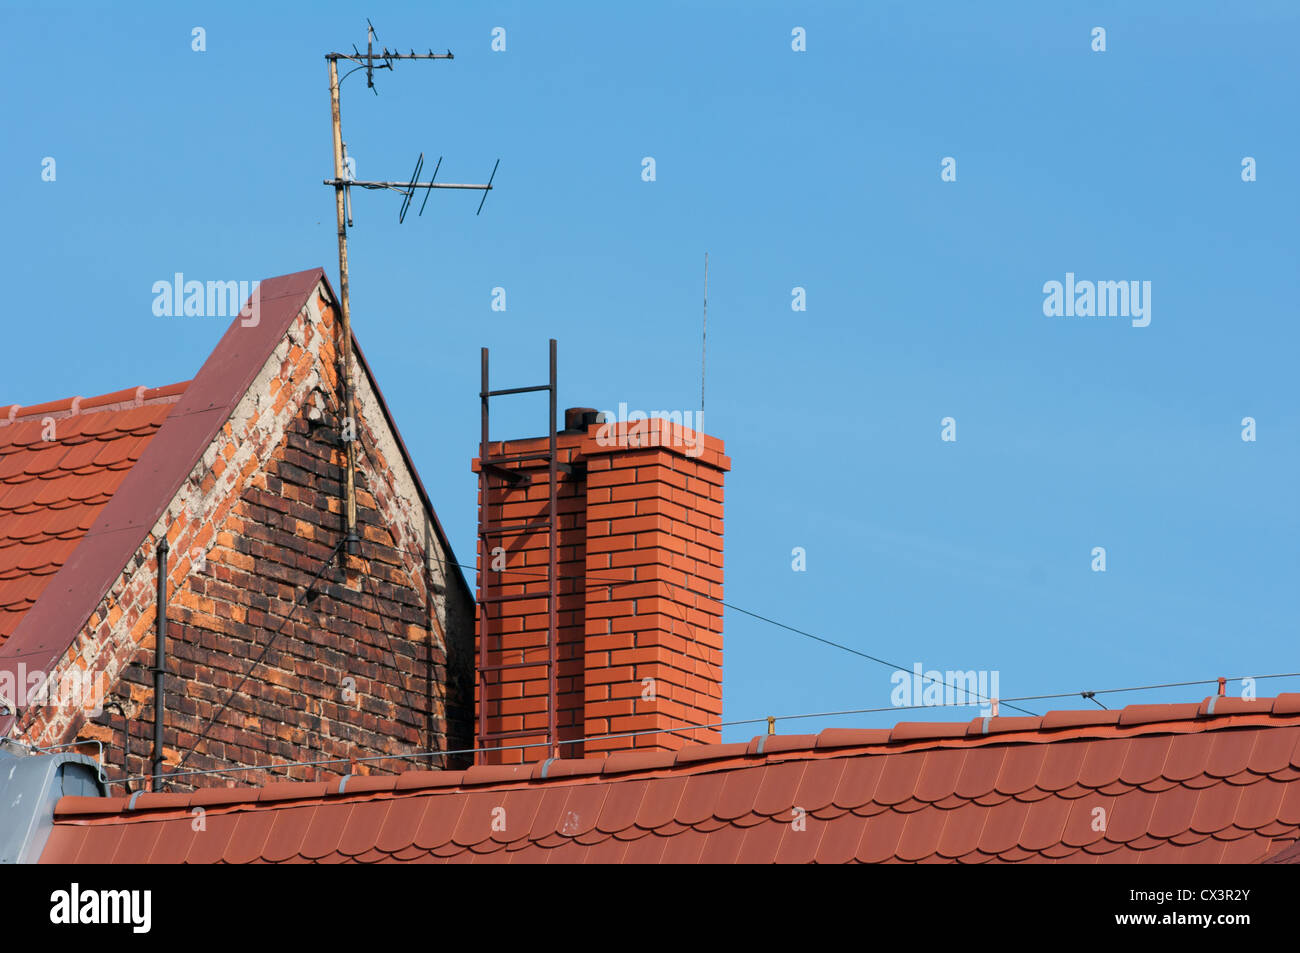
(519, 733)
(517, 598)
(506, 666)
(515, 457)
(515, 390)
(497, 529)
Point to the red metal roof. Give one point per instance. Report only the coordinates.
(51, 491)
(1215, 782)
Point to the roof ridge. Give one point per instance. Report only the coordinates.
(1281, 711)
(129, 397)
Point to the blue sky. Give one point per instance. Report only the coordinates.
(817, 169)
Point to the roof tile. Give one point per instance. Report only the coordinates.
(1102, 762)
(620, 808)
(961, 830)
(327, 826)
(364, 824)
(1137, 793)
(874, 841)
(209, 844)
(699, 797)
(249, 837)
(1021, 766)
(1145, 760)
(287, 833)
(778, 787)
(1044, 823)
(980, 774)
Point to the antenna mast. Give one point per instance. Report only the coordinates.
(704, 329)
(343, 182)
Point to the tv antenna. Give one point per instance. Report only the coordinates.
(343, 183)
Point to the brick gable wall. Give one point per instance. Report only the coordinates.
(375, 663)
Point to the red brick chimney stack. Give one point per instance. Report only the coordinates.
(640, 589)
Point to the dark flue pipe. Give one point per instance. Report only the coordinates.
(159, 666)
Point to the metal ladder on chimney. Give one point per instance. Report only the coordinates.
(498, 466)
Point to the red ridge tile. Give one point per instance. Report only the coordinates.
(1150, 714)
(851, 737)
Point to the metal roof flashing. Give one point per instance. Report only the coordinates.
(30, 786)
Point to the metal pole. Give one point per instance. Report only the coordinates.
(484, 564)
(704, 333)
(345, 372)
(160, 666)
(552, 621)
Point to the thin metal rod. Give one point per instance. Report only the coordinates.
(391, 56)
(704, 333)
(159, 666)
(485, 562)
(552, 589)
(345, 372)
(518, 390)
(405, 185)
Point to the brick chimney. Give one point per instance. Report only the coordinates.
(639, 635)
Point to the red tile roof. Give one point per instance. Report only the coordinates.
(51, 491)
(1215, 782)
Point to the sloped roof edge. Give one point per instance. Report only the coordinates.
(53, 623)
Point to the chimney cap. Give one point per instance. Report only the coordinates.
(578, 419)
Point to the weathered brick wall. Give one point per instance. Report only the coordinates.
(376, 661)
(640, 625)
